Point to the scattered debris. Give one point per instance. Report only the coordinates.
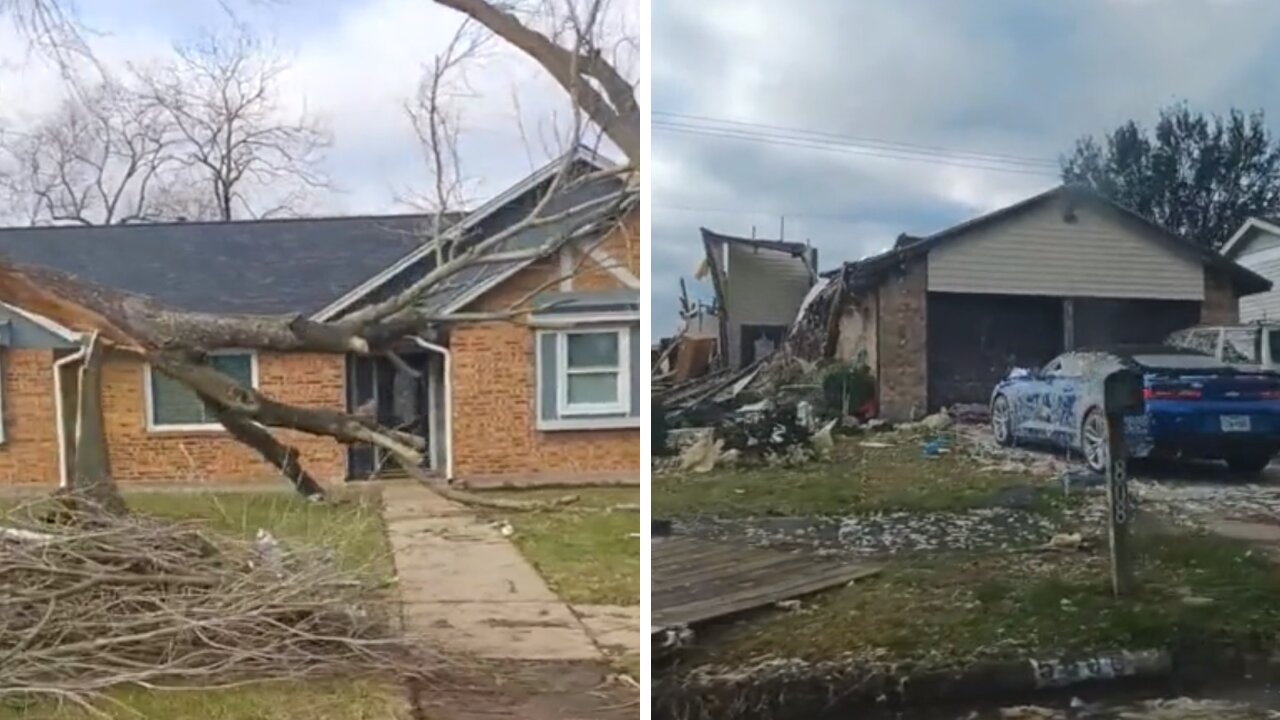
(701, 456)
(823, 443)
(875, 444)
(788, 605)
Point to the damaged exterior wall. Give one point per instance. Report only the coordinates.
(763, 287)
(857, 329)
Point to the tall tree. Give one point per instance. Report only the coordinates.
(1199, 175)
(221, 96)
(99, 159)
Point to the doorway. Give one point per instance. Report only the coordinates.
(397, 395)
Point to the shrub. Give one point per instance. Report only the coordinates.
(845, 388)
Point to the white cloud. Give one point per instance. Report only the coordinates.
(353, 68)
(1002, 76)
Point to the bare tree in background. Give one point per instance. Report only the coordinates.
(100, 159)
(221, 95)
(178, 343)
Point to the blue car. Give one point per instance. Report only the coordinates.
(1195, 407)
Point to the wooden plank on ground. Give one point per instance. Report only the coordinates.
(695, 581)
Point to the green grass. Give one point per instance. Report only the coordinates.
(587, 554)
(344, 700)
(351, 526)
(950, 609)
(855, 479)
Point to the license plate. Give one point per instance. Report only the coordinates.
(1235, 423)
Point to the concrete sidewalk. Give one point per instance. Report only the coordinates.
(466, 589)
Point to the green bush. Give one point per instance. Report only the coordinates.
(845, 388)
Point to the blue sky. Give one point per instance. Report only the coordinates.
(353, 63)
(994, 77)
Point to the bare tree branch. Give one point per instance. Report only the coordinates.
(253, 159)
(613, 109)
(95, 161)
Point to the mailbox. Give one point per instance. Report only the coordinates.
(1122, 393)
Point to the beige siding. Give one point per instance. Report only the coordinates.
(1263, 257)
(1038, 253)
(764, 287)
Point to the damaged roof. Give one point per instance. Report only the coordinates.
(869, 271)
(792, 248)
(241, 266)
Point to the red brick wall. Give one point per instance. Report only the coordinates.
(139, 454)
(29, 453)
(902, 343)
(1221, 306)
(494, 386)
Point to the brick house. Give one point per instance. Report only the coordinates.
(554, 396)
(940, 319)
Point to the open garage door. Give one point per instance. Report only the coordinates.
(974, 339)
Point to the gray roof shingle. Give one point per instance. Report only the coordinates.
(254, 266)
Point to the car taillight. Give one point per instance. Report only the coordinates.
(1171, 394)
(1269, 394)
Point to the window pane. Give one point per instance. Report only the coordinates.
(593, 388)
(173, 403)
(238, 367)
(593, 350)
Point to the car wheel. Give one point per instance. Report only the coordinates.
(1001, 421)
(1093, 440)
(1250, 464)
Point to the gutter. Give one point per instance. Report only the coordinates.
(64, 479)
(448, 402)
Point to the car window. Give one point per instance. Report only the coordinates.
(1053, 368)
(1273, 340)
(1202, 339)
(1240, 345)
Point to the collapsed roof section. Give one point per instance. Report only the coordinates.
(760, 286)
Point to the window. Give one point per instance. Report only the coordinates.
(171, 406)
(593, 378)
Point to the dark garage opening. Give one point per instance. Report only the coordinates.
(1111, 321)
(973, 341)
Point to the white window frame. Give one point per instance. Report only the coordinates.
(565, 409)
(149, 399)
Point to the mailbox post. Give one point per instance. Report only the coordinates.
(1122, 396)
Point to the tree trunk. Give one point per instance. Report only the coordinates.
(91, 475)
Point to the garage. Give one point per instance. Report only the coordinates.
(954, 311)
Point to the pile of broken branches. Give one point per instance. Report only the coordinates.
(90, 600)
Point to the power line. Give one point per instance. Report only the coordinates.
(853, 139)
(1026, 166)
(766, 139)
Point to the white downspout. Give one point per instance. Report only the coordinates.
(64, 479)
(448, 403)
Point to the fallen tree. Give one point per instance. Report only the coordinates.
(178, 343)
(103, 600)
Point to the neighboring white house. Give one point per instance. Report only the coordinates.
(1256, 245)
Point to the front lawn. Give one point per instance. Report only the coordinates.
(948, 609)
(860, 476)
(587, 552)
(351, 527)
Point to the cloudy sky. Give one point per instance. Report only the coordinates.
(353, 64)
(918, 96)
